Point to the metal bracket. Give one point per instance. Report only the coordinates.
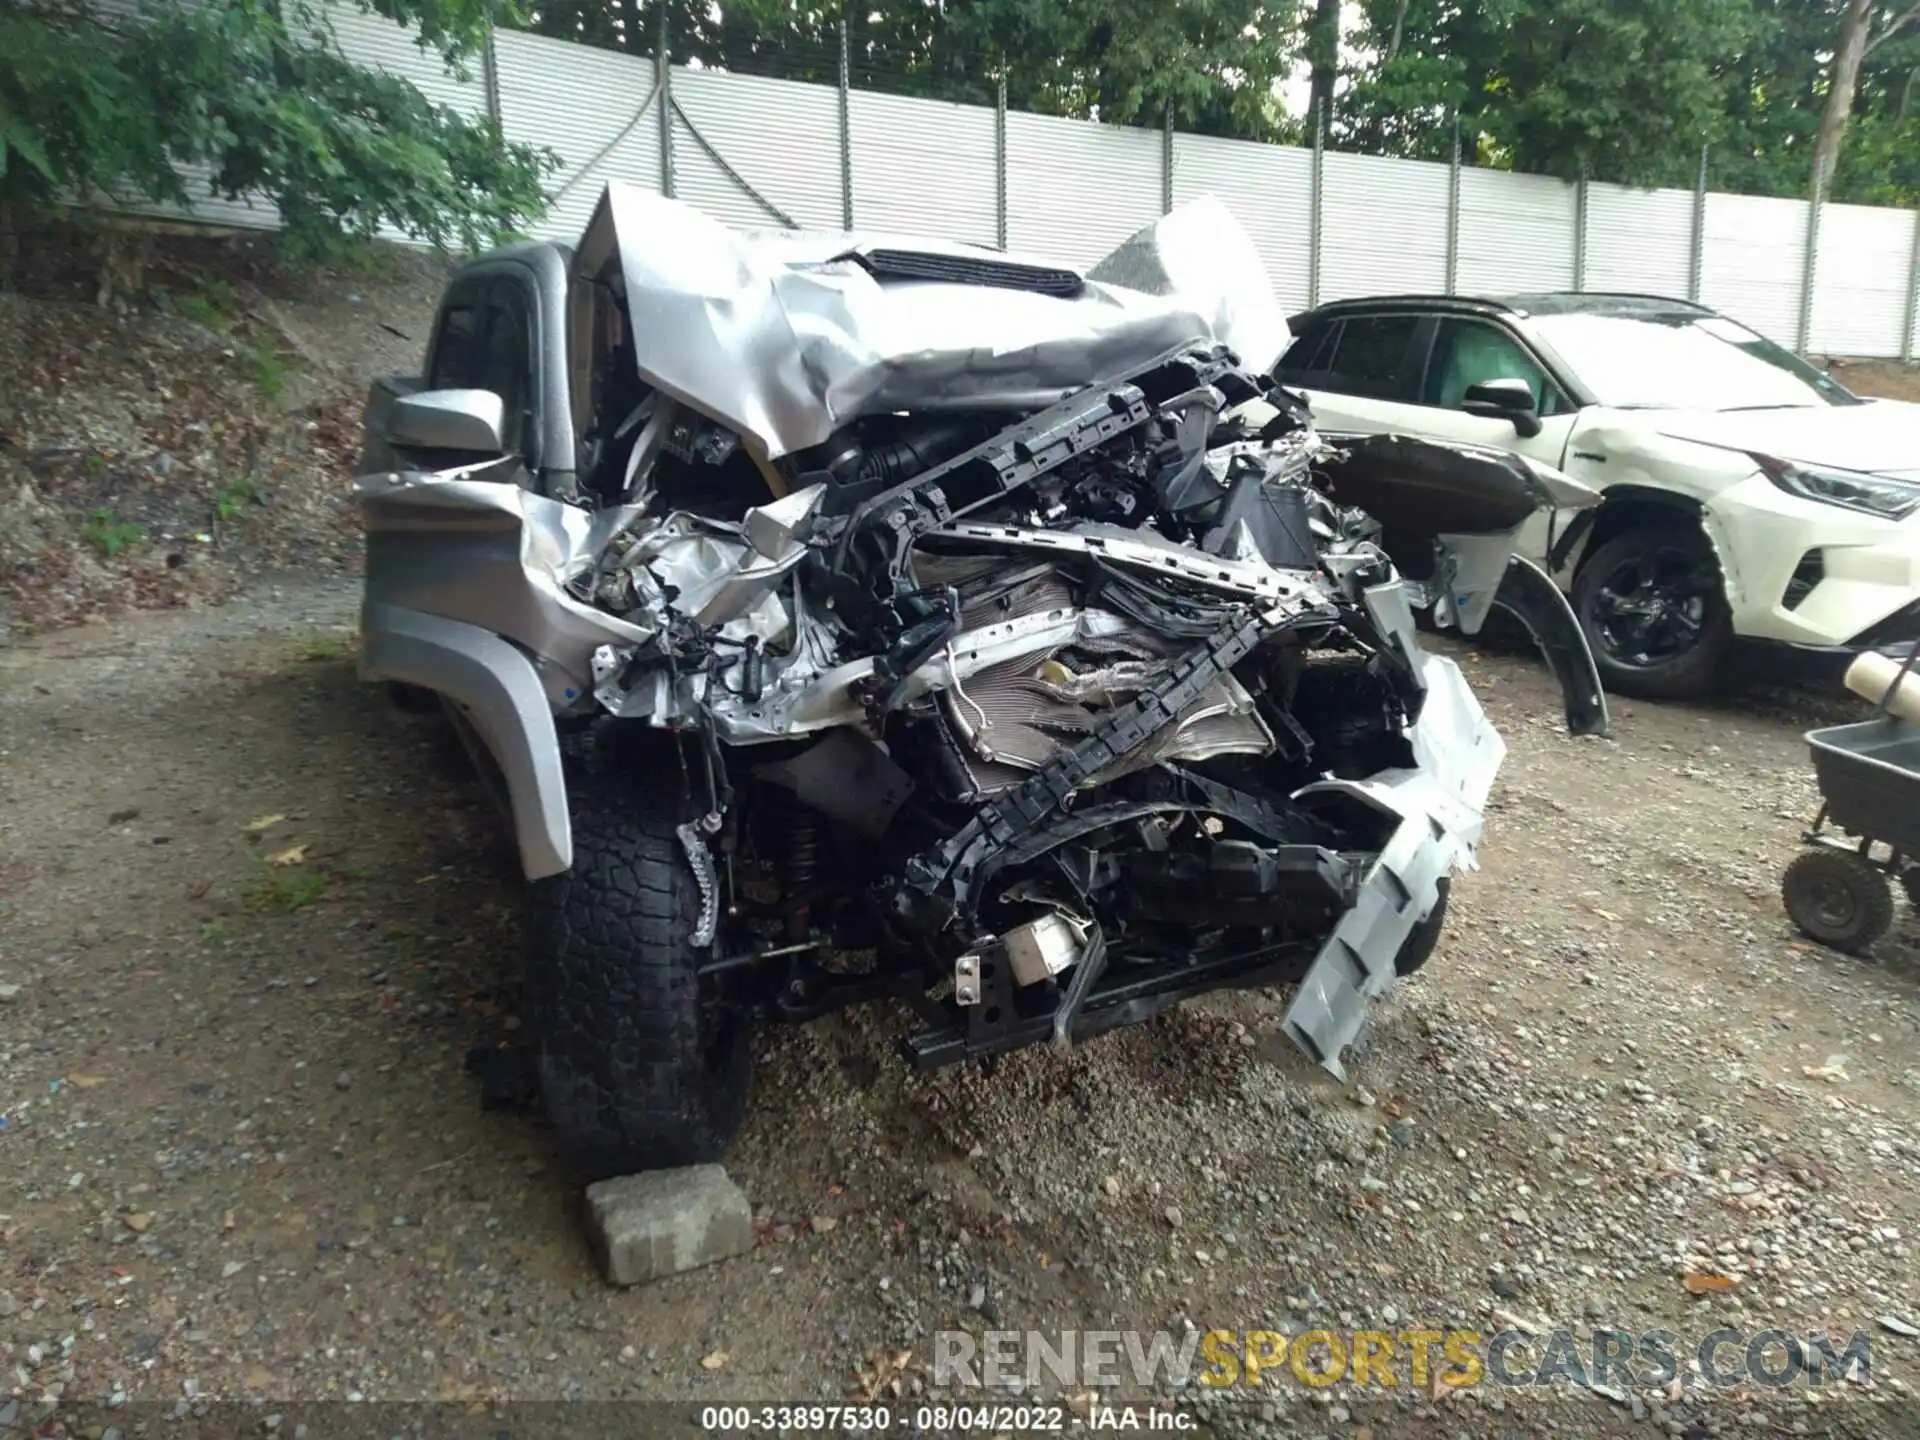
(1912, 312)
(663, 87)
(1580, 203)
(966, 979)
(846, 132)
(1316, 205)
(1166, 160)
(1000, 161)
(1810, 263)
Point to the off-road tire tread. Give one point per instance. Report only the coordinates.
(614, 998)
(1860, 875)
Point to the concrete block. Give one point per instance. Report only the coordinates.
(646, 1227)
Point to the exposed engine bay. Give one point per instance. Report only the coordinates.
(1040, 686)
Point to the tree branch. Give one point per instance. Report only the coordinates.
(1893, 28)
(1399, 29)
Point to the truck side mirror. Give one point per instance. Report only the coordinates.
(1507, 399)
(467, 421)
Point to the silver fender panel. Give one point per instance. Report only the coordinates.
(499, 692)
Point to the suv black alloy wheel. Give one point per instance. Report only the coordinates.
(1655, 612)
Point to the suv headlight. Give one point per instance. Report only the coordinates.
(1872, 494)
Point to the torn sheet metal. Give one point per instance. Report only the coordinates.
(1199, 252)
(786, 337)
(474, 544)
(714, 572)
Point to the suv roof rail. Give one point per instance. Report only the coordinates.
(1557, 302)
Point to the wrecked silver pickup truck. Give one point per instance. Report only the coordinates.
(842, 620)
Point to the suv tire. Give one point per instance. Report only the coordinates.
(1655, 612)
(640, 1066)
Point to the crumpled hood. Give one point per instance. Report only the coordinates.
(782, 339)
(1883, 438)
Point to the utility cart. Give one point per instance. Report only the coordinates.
(1839, 890)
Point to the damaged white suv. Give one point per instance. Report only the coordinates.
(842, 621)
(1747, 495)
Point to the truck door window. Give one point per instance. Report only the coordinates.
(456, 344)
(506, 364)
(485, 342)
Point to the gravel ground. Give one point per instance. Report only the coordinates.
(242, 1159)
(1888, 379)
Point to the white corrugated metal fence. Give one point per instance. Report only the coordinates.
(758, 152)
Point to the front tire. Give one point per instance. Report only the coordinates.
(1654, 609)
(641, 1066)
(1839, 898)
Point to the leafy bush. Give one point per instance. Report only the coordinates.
(73, 118)
(260, 96)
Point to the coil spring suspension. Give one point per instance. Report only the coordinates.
(803, 848)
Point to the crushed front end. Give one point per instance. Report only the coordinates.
(1039, 717)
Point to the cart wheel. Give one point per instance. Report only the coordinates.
(1838, 898)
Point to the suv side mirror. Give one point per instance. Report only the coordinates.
(1508, 399)
(468, 421)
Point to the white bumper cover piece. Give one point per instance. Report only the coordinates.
(1440, 806)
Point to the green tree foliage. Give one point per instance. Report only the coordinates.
(72, 117)
(1774, 90)
(259, 96)
(1215, 62)
(1777, 88)
(1880, 159)
(1631, 90)
(1626, 90)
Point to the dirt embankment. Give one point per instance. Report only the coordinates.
(197, 429)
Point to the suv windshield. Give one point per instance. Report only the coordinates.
(1685, 362)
